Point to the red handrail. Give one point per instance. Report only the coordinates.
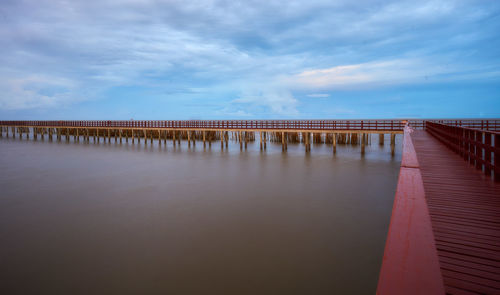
(324, 125)
(481, 148)
(410, 264)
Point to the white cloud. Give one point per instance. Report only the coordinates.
(262, 98)
(37, 91)
(372, 74)
(318, 95)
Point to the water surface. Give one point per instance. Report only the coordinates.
(108, 218)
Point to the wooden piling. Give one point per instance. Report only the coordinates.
(334, 141)
(306, 141)
(363, 143)
(393, 143)
(282, 141)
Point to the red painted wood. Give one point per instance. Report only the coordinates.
(410, 264)
(464, 206)
(380, 125)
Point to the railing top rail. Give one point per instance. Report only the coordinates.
(465, 128)
(290, 124)
(410, 255)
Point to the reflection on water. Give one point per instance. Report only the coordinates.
(80, 218)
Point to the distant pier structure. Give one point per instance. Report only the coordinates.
(333, 132)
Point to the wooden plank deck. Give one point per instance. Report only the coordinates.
(464, 206)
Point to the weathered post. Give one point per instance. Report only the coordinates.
(306, 140)
(133, 138)
(363, 143)
(221, 140)
(282, 141)
(381, 139)
(334, 140)
(265, 140)
(260, 133)
(227, 138)
(204, 144)
(173, 137)
(393, 143)
(241, 141)
(246, 139)
(189, 138)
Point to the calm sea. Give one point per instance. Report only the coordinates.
(108, 218)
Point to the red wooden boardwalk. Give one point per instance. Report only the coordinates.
(464, 206)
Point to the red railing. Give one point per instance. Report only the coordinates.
(410, 264)
(378, 125)
(481, 148)
(383, 125)
(490, 124)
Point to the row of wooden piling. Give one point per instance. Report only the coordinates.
(191, 136)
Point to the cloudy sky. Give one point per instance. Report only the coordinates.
(153, 59)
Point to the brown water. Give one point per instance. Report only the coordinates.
(80, 218)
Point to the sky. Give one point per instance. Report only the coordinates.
(169, 60)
